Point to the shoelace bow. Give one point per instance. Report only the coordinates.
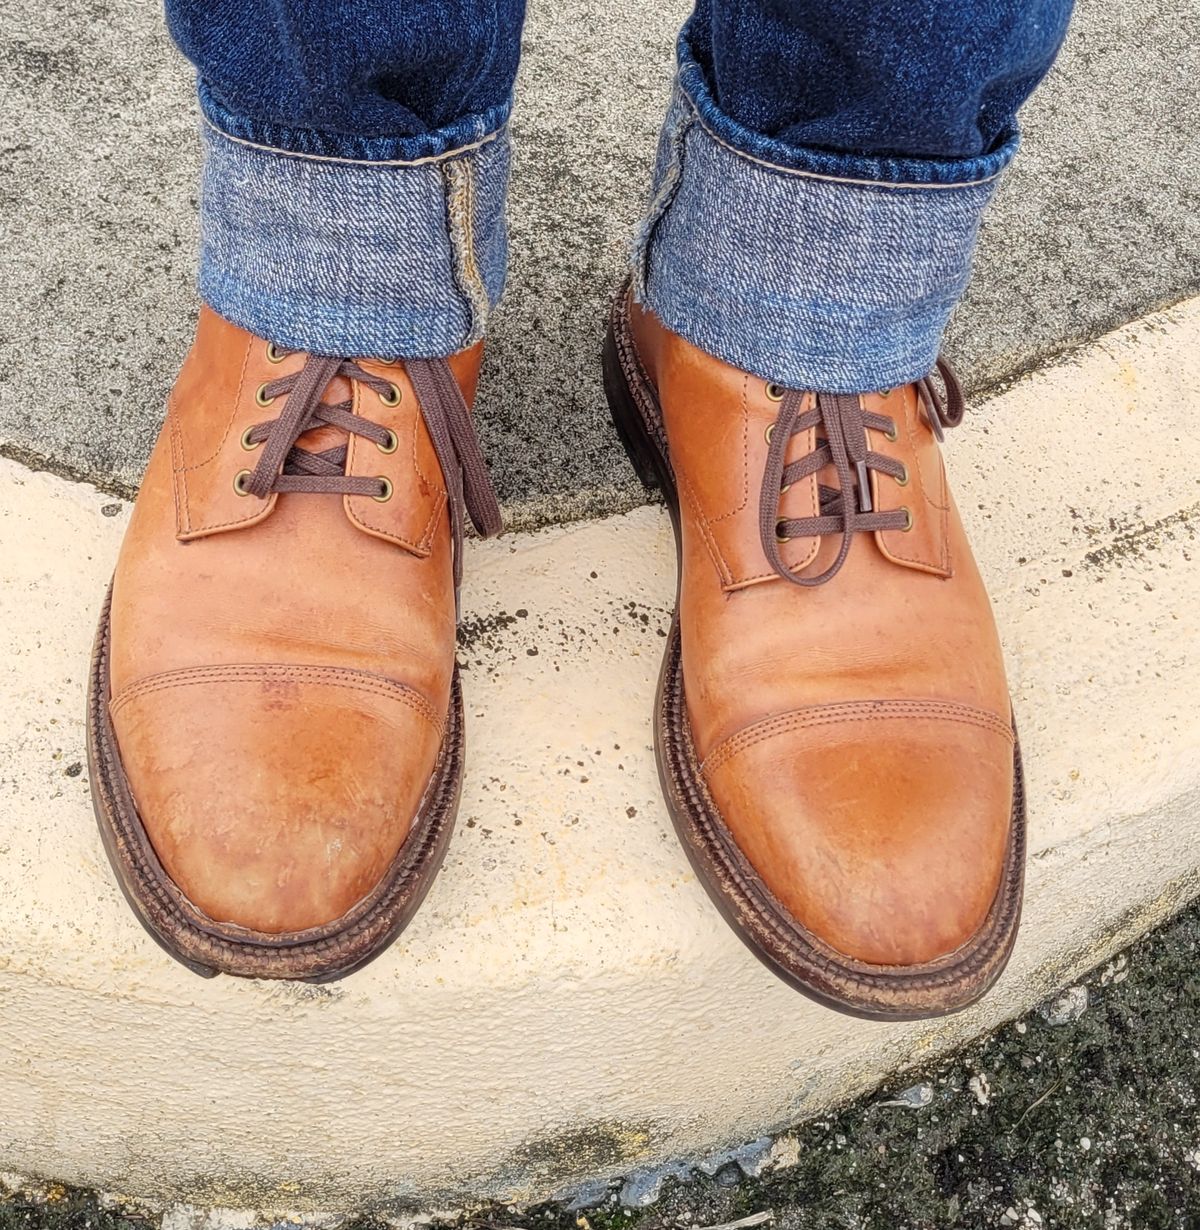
(284, 466)
(842, 427)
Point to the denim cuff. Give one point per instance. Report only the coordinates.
(810, 268)
(400, 256)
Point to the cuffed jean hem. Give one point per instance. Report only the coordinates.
(401, 257)
(805, 267)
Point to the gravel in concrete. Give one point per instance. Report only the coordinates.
(1097, 223)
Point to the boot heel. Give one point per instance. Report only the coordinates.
(627, 419)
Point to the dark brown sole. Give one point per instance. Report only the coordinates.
(208, 948)
(800, 958)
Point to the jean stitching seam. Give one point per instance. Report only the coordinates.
(660, 204)
(398, 163)
(458, 178)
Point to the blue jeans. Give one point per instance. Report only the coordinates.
(818, 187)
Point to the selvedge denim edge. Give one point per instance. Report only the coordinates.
(806, 267)
(395, 257)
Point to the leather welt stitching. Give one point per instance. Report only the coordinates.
(252, 518)
(419, 546)
(915, 447)
(891, 539)
(357, 506)
(329, 676)
(805, 553)
(183, 513)
(852, 711)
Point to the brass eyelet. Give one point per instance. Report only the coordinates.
(893, 434)
(392, 397)
(274, 354)
(239, 482)
(780, 538)
(248, 444)
(260, 395)
(392, 443)
(885, 392)
(785, 488)
(908, 519)
(767, 433)
(386, 493)
(902, 479)
(774, 392)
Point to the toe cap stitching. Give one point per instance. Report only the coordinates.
(329, 676)
(851, 711)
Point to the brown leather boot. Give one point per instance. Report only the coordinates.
(833, 725)
(275, 723)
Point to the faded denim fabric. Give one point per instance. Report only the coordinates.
(350, 257)
(819, 182)
(826, 245)
(356, 163)
(810, 279)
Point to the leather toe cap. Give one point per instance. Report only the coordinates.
(881, 828)
(275, 798)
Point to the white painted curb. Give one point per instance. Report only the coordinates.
(568, 1005)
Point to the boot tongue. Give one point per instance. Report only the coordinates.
(323, 437)
(827, 480)
(827, 476)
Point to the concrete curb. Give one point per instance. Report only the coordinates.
(568, 1006)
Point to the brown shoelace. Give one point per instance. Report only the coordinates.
(842, 442)
(285, 467)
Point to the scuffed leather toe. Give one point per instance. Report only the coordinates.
(290, 810)
(900, 880)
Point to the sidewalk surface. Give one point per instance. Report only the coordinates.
(1079, 1116)
(1098, 223)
